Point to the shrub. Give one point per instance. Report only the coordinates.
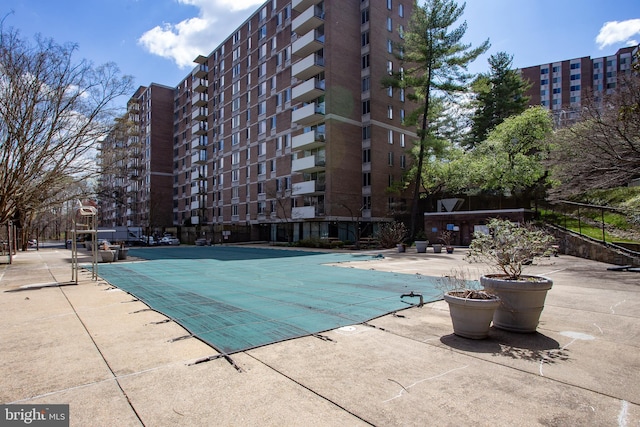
(509, 246)
(390, 234)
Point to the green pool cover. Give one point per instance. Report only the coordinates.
(238, 298)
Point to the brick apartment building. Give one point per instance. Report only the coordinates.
(135, 189)
(283, 131)
(561, 86)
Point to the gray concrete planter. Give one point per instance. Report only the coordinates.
(107, 255)
(421, 246)
(522, 301)
(471, 318)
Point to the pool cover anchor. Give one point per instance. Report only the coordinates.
(412, 294)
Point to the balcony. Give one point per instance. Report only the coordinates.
(307, 187)
(195, 205)
(201, 71)
(302, 5)
(200, 113)
(308, 91)
(307, 212)
(195, 220)
(200, 85)
(309, 114)
(200, 142)
(199, 158)
(308, 67)
(308, 140)
(309, 43)
(308, 20)
(200, 99)
(200, 128)
(308, 164)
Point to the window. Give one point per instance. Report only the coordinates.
(390, 112)
(235, 175)
(390, 158)
(235, 105)
(575, 76)
(366, 132)
(544, 71)
(390, 137)
(262, 33)
(366, 202)
(389, 24)
(574, 88)
(273, 123)
(235, 158)
(556, 68)
(263, 51)
(402, 94)
(366, 155)
(402, 140)
(389, 46)
(575, 66)
(403, 161)
(262, 127)
(365, 61)
(389, 5)
(235, 122)
(366, 107)
(390, 67)
(262, 108)
(236, 70)
(366, 179)
(402, 116)
(364, 16)
(364, 38)
(401, 11)
(236, 37)
(366, 84)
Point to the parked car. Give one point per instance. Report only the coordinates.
(148, 240)
(169, 240)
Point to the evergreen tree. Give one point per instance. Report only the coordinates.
(500, 94)
(435, 66)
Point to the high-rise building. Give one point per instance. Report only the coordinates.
(136, 158)
(285, 131)
(561, 86)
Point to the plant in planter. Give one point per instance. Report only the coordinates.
(446, 237)
(471, 309)
(421, 242)
(509, 247)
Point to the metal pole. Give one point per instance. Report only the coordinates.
(579, 222)
(602, 215)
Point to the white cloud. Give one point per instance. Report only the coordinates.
(183, 41)
(618, 32)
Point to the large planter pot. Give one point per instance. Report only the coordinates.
(521, 303)
(421, 246)
(437, 248)
(107, 255)
(122, 254)
(401, 247)
(471, 318)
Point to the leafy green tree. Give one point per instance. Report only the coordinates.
(499, 94)
(434, 66)
(511, 159)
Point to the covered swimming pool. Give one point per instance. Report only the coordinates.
(236, 298)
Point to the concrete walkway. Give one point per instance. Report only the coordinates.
(116, 363)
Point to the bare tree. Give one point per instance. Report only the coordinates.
(53, 110)
(602, 150)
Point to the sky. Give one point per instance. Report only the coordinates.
(157, 40)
